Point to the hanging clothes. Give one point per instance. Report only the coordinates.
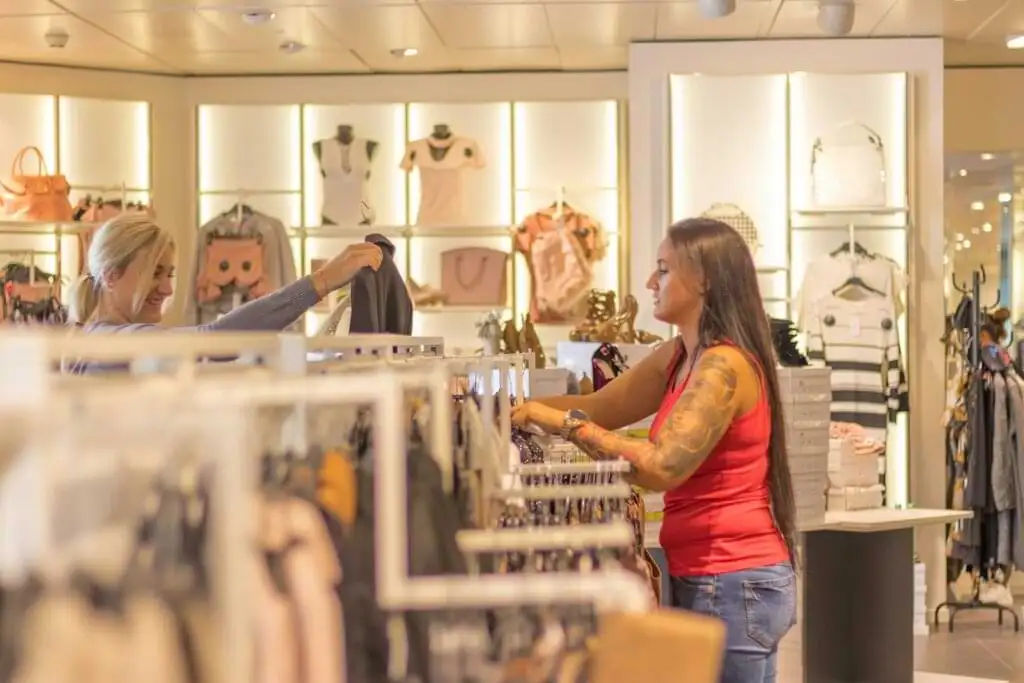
(237, 260)
(442, 162)
(380, 298)
(560, 245)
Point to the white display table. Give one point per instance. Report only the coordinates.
(857, 572)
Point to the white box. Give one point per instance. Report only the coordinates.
(867, 498)
(847, 469)
(577, 357)
(547, 382)
(805, 385)
(798, 412)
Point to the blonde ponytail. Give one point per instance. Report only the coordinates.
(83, 299)
(114, 246)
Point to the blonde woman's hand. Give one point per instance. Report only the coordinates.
(340, 270)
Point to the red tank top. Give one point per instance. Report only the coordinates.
(719, 520)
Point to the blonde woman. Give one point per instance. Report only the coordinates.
(130, 272)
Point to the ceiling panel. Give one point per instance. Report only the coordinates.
(381, 27)
(601, 24)
(464, 25)
(960, 53)
(164, 31)
(799, 18)
(594, 58)
(526, 58)
(293, 23)
(264, 62)
(683, 21)
(1007, 19)
(164, 5)
(913, 17)
(21, 39)
(17, 7)
(433, 59)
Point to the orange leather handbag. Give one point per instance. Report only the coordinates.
(39, 197)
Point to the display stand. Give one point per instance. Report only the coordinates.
(527, 161)
(954, 607)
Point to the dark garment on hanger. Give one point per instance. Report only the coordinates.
(380, 299)
(433, 523)
(979, 444)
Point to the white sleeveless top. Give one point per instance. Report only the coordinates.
(346, 169)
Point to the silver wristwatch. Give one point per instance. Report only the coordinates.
(572, 421)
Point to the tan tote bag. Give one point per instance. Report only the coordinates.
(475, 276)
(39, 197)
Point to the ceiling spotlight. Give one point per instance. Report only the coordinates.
(405, 52)
(987, 157)
(1004, 197)
(1015, 42)
(975, 231)
(258, 17)
(716, 9)
(963, 172)
(290, 47)
(977, 206)
(967, 244)
(959, 237)
(835, 17)
(959, 246)
(986, 227)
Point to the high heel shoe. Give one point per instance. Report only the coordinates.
(510, 337)
(425, 295)
(529, 340)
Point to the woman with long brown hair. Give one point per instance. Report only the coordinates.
(717, 445)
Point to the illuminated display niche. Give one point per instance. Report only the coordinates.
(101, 146)
(762, 164)
(535, 153)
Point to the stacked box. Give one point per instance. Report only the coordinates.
(806, 395)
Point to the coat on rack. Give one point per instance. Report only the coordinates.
(380, 299)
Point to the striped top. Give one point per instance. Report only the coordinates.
(858, 340)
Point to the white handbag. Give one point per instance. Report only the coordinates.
(848, 168)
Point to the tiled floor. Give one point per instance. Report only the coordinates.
(978, 649)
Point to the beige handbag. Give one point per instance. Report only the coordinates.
(475, 276)
(561, 277)
(848, 168)
(39, 197)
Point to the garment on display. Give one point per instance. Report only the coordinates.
(848, 168)
(346, 162)
(241, 254)
(442, 158)
(35, 197)
(561, 245)
(475, 276)
(380, 298)
(784, 341)
(848, 306)
(737, 219)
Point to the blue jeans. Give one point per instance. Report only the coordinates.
(758, 607)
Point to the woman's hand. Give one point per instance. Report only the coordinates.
(549, 419)
(340, 270)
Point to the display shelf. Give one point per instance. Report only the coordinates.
(100, 146)
(534, 153)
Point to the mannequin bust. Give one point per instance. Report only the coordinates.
(346, 136)
(442, 133)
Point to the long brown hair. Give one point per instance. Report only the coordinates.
(734, 311)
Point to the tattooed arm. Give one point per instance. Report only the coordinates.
(723, 385)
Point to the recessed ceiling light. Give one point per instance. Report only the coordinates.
(1004, 197)
(1015, 42)
(967, 244)
(959, 246)
(987, 227)
(405, 52)
(977, 206)
(290, 47)
(963, 172)
(959, 237)
(987, 157)
(258, 17)
(975, 231)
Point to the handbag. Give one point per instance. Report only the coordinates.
(40, 197)
(562, 277)
(231, 261)
(848, 168)
(737, 219)
(475, 276)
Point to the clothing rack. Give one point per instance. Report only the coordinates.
(973, 352)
